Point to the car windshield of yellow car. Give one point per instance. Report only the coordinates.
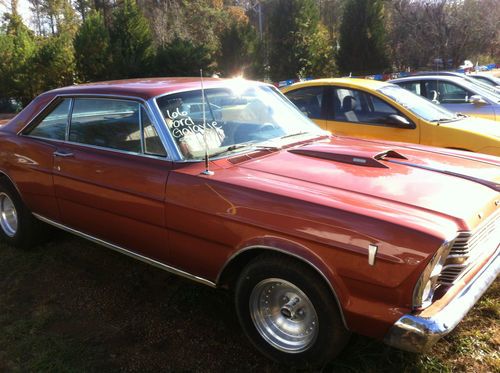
(418, 105)
(234, 115)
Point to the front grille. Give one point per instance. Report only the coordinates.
(467, 247)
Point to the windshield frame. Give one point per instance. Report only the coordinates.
(277, 142)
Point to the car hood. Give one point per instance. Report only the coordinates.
(476, 125)
(457, 186)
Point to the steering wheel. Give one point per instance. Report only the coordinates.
(268, 126)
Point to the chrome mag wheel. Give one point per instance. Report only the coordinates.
(8, 215)
(283, 315)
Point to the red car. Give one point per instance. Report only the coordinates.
(317, 235)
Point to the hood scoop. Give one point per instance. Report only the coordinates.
(359, 156)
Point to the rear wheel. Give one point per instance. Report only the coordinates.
(288, 312)
(18, 227)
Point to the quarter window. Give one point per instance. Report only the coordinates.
(53, 126)
(309, 100)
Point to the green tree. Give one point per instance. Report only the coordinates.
(362, 38)
(53, 65)
(183, 58)
(239, 51)
(131, 42)
(92, 49)
(297, 41)
(17, 49)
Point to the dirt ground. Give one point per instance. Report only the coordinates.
(72, 306)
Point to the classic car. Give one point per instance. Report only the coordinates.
(317, 235)
(455, 94)
(378, 110)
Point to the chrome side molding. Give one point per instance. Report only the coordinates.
(129, 253)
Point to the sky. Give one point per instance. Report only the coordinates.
(23, 7)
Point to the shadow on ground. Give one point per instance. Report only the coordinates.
(70, 305)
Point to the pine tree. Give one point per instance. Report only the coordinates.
(362, 38)
(131, 42)
(183, 58)
(297, 41)
(92, 49)
(239, 51)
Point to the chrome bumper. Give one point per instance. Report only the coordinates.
(415, 333)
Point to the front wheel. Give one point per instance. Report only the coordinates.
(288, 312)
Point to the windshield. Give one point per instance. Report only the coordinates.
(483, 85)
(418, 105)
(238, 116)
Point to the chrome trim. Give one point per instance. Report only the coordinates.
(68, 120)
(129, 253)
(74, 96)
(101, 148)
(167, 135)
(372, 253)
(164, 133)
(431, 273)
(417, 334)
(468, 246)
(37, 116)
(270, 248)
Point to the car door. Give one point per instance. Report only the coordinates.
(310, 100)
(111, 173)
(456, 98)
(360, 114)
(32, 158)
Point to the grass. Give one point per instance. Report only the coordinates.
(71, 306)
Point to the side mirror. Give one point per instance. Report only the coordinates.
(477, 100)
(399, 121)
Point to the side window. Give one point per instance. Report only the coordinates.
(412, 87)
(152, 142)
(53, 126)
(309, 100)
(431, 90)
(108, 123)
(450, 93)
(351, 105)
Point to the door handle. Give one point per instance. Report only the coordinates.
(63, 154)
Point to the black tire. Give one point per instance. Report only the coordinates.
(330, 335)
(28, 231)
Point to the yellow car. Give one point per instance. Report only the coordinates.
(373, 109)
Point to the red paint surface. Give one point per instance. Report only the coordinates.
(323, 211)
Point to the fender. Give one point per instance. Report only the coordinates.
(295, 250)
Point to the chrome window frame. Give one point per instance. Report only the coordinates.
(146, 104)
(179, 157)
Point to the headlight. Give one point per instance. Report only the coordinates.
(427, 283)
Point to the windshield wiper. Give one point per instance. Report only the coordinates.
(249, 145)
(445, 120)
(294, 134)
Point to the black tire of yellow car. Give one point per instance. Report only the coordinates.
(29, 231)
(331, 336)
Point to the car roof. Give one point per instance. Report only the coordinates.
(442, 73)
(352, 82)
(145, 88)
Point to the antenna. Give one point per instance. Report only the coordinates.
(207, 170)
